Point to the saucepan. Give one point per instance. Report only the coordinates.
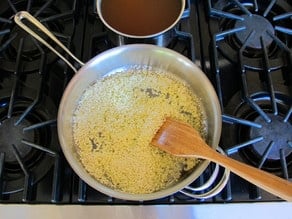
(122, 57)
(140, 21)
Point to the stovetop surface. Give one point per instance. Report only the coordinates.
(244, 47)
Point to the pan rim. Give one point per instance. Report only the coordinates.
(76, 164)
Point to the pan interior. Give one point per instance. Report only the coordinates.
(116, 120)
(123, 58)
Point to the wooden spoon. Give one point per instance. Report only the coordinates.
(181, 139)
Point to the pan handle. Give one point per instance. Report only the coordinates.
(25, 15)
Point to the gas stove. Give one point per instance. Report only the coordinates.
(244, 47)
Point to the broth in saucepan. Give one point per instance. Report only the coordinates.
(140, 17)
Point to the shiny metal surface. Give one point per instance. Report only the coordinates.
(161, 38)
(114, 60)
(121, 58)
(208, 190)
(28, 17)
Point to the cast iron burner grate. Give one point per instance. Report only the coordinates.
(266, 145)
(255, 38)
(26, 146)
(18, 50)
(32, 80)
(257, 28)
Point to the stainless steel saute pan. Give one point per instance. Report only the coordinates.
(122, 57)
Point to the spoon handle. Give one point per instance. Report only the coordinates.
(271, 183)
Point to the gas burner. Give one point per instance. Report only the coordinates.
(257, 31)
(11, 134)
(260, 26)
(264, 144)
(276, 134)
(22, 140)
(18, 50)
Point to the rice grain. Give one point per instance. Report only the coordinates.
(116, 119)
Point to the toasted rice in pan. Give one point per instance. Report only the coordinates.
(116, 119)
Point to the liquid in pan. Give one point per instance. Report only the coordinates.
(116, 119)
(140, 17)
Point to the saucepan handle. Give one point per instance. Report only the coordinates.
(32, 20)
